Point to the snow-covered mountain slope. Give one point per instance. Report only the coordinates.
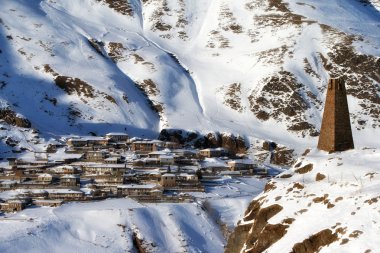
(112, 225)
(74, 67)
(325, 203)
(108, 226)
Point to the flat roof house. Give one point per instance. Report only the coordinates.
(117, 137)
(168, 180)
(139, 190)
(241, 164)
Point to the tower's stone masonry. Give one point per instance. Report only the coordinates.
(336, 134)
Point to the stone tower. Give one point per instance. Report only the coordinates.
(336, 134)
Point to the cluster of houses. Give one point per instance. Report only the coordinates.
(92, 168)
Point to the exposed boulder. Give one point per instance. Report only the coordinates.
(269, 145)
(259, 235)
(270, 234)
(283, 156)
(13, 118)
(305, 169)
(234, 144)
(179, 136)
(315, 242)
(238, 237)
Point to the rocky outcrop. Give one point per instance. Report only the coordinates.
(138, 243)
(275, 153)
(122, 7)
(305, 169)
(283, 156)
(256, 234)
(315, 242)
(233, 143)
(13, 118)
(237, 238)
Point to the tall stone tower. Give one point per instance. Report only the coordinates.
(336, 134)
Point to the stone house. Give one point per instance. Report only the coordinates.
(8, 184)
(241, 164)
(187, 177)
(188, 182)
(183, 153)
(104, 169)
(70, 170)
(148, 176)
(45, 178)
(112, 160)
(151, 161)
(107, 179)
(66, 194)
(166, 160)
(235, 173)
(94, 141)
(76, 142)
(157, 154)
(213, 165)
(48, 202)
(139, 190)
(65, 169)
(144, 146)
(211, 152)
(35, 193)
(96, 156)
(70, 180)
(117, 137)
(14, 205)
(168, 180)
(90, 141)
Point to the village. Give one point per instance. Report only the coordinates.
(114, 166)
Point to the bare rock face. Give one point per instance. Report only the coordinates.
(269, 235)
(305, 169)
(259, 235)
(237, 238)
(282, 156)
(315, 241)
(179, 136)
(13, 119)
(277, 153)
(122, 7)
(233, 143)
(269, 145)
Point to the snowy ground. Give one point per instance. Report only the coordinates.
(107, 226)
(339, 193)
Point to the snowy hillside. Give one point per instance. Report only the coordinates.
(325, 203)
(75, 67)
(112, 225)
(108, 226)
